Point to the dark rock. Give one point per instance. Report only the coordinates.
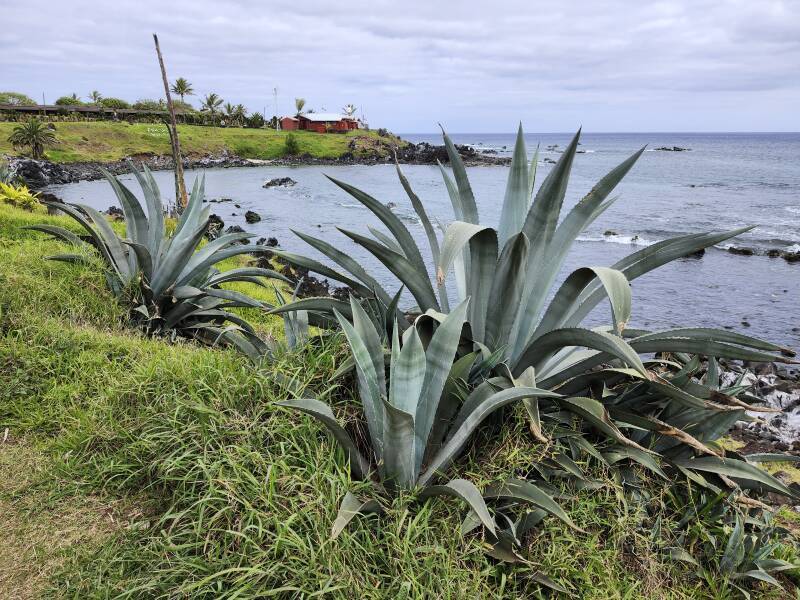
(391, 205)
(673, 149)
(610, 232)
(548, 160)
(115, 213)
(238, 205)
(279, 181)
(774, 253)
(791, 257)
(424, 153)
(741, 250)
(234, 229)
(252, 216)
(215, 226)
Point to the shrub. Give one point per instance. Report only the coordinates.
(19, 196)
(170, 286)
(148, 104)
(114, 103)
(35, 135)
(69, 101)
(255, 121)
(16, 99)
(292, 147)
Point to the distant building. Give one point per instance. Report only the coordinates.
(319, 122)
(289, 123)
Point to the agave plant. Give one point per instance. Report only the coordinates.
(623, 396)
(417, 424)
(169, 281)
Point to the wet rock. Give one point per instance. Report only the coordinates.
(696, 254)
(741, 250)
(424, 153)
(609, 232)
(548, 160)
(774, 253)
(791, 257)
(279, 181)
(673, 149)
(391, 205)
(252, 216)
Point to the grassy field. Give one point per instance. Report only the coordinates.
(137, 468)
(106, 141)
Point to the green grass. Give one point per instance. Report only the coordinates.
(106, 141)
(138, 468)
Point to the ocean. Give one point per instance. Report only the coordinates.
(723, 181)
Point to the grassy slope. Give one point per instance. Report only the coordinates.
(105, 141)
(213, 491)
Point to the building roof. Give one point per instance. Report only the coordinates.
(325, 117)
(290, 118)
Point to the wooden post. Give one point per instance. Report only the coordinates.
(180, 186)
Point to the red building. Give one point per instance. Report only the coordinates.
(326, 122)
(289, 123)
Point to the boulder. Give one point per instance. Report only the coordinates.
(741, 250)
(279, 181)
(252, 216)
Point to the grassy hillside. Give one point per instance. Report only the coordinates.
(106, 141)
(156, 470)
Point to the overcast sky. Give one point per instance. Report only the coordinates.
(610, 65)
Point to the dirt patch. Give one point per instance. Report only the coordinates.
(40, 526)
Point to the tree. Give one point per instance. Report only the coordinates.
(299, 104)
(16, 99)
(182, 87)
(33, 134)
(240, 114)
(114, 103)
(349, 110)
(211, 103)
(230, 113)
(95, 97)
(72, 100)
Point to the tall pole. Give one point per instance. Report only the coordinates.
(180, 186)
(277, 120)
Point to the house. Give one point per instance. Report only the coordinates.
(326, 122)
(289, 123)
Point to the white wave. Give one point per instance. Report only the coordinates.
(793, 209)
(793, 248)
(629, 240)
(346, 205)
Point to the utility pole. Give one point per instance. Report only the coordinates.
(277, 120)
(181, 199)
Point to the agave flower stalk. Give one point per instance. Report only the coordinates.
(169, 281)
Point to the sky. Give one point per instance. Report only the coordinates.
(608, 65)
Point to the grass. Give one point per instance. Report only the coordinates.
(138, 468)
(107, 141)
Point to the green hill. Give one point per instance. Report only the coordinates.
(103, 141)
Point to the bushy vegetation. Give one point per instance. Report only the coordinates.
(577, 451)
(292, 147)
(16, 98)
(17, 194)
(114, 103)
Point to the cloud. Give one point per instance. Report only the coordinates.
(611, 64)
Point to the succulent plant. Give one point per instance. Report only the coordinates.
(169, 281)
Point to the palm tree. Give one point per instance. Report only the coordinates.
(349, 110)
(240, 114)
(230, 113)
(34, 134)
(182, 87)
(95, 97)
(211, 103)
(299, 103)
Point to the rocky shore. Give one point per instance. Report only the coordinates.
(41, 173)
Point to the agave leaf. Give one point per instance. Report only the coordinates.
(652, 424)
(399, 447)
(717, 335)
(518, 192)
(647, 460)
(371, 393)
(414, 279)
(517, 489)
(466, 491)
(57, 232)
(324, 270)
(407, 373)
(365, 328)
(386, 240)
(322, 304)
(438, 361)
(112, 242)
(201, 270)
(169, 270)
(136, 224)
(456, 237)
(433, 241)
(596, 415)
(76, 259)
(507, 286)
(737, 469)
(144, 260)
(734, 549)
(155, 208)
(617, 288)
(465, 197)
(544, 347)
(247, 274)
(471, 421)
(772, 458)
(358, 464)
(350, 507)
(394, 224)
(347, 263)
